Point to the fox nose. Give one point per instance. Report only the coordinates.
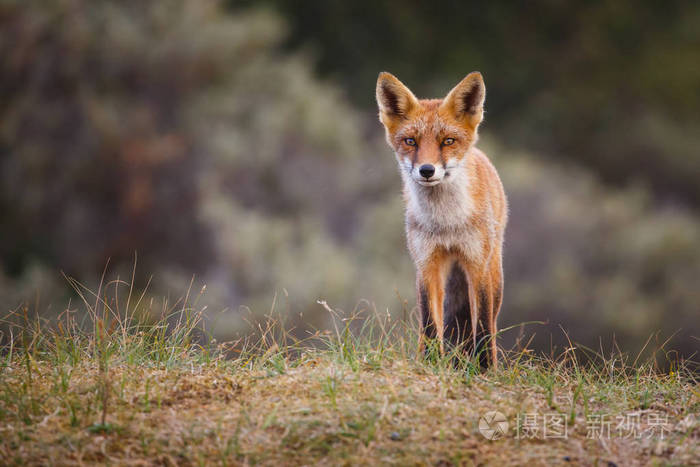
(427, 170)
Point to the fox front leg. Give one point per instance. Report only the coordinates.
(431, 298)
(482, 298)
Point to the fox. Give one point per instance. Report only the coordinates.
(455, 212)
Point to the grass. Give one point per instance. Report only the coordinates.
(118, 388)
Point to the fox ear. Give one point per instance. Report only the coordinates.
(466, 100)
(395, 100)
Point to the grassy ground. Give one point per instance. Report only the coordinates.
(114, 391)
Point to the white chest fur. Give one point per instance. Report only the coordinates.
(442, 216)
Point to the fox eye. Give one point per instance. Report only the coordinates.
(410, 141)
(448, 142)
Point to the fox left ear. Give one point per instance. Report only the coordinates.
(394, 99)
(466, 100)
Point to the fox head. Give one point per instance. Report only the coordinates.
(430, 136)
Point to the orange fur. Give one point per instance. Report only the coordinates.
(456, 209)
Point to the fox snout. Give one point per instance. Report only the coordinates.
(428, 174)
(426, 171)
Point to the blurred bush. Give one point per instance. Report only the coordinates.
(607, 265)
(178, 131)
(612, 85)
(183, 131)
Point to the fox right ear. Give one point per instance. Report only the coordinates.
(395, 100)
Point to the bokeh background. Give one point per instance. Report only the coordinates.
(237, 143)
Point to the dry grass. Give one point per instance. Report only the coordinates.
(118, 391)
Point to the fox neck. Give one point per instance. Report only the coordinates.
(447, 204)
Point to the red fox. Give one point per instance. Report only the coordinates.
(456, 211)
